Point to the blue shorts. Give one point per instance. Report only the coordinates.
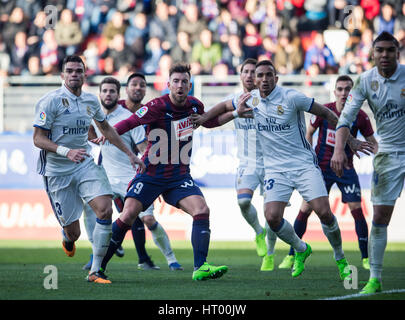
(146, 189)
(348, 184)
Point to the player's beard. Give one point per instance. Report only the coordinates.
(110, 105)
(135, 100)
(74, 85)
(180, 100)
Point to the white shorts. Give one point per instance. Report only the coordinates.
(388, 178)
(68, 192)
(119, 187)
(250, 178)
(278, 186)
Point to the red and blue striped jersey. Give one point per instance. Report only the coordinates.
(326, 135)
(170, 132)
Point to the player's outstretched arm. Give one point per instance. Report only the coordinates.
(215, 111)
(325, 113)
(42, 141)
(112, 135)
(339, 158)
(355, 145)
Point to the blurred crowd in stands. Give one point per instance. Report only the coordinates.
(119, 36)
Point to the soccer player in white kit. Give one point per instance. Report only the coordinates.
(250, 173)
(62, 120)
(120, 171)
(290, 162)
(384, 89)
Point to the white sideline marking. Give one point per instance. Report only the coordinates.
(358, 295)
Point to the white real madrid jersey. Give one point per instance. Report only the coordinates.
(386, 98)
(67, 119)
(115, 162)
(280, 127)
(248, 147)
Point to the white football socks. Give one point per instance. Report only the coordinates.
(89, 219)
(288, 235)
(162, 241)
(270, 239)
(249, 212)
(101, 240)
(332, 233)
(376, 248)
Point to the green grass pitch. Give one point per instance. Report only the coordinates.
(22, 276)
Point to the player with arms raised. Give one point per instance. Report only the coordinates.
(290, 162)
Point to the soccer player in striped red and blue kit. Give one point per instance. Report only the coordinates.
(167, 157)
(349, 183)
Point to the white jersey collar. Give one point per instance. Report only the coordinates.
(69, 93)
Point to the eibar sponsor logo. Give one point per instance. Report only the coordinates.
(330, 137)
(183, 128)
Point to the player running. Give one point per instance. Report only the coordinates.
(167, 158)
(384, 89)
(348, 184)
(61, 125)
(290, 162)
(251, 169)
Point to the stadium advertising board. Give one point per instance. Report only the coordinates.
(25, 212)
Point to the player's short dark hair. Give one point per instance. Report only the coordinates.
(266, 63)
(386, 36)
(135, 75)
(344, 77)
(111, 80)
(248, 61)
(72, 58)
(180, 67)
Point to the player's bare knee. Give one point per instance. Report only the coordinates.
(203, 209)
(105, 213)
(325, 215)
(149, 220)
(273, 219)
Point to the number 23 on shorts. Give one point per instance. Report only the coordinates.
(268, 184)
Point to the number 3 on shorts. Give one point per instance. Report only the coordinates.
(269, 184)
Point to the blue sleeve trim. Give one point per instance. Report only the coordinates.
(141, 141)
(233, 105)
(312, 103)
